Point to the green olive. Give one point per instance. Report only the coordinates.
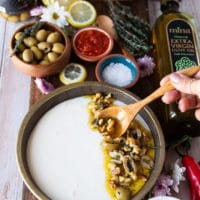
(41, 35)
(21, 47)
(54, 37)
(13, 18)
(4, 15)
(58, 48)
(52, 56)
(44, 46)
(37, 52)
(27, 55)
(30, 41)
(44, 62)
(122, 193)
(18, 35)
(24, 16)
(45, 57)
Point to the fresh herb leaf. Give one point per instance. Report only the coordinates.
(134, 32)
(29, 31)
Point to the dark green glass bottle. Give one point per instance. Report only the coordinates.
(176, 47)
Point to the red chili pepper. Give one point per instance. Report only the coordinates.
(193, 193)
(193, 173)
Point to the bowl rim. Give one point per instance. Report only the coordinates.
(41, 69)
(132, 59)
(87, 57)
(58, 96)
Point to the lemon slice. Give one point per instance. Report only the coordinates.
(73, 73)
(65, 2)
(47, 2)
(82, 13)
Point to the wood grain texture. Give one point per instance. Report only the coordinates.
(14, 98)
(18, 91)
(2, 36)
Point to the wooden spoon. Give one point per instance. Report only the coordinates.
(123, 115)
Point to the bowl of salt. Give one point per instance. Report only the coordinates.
(118, 70)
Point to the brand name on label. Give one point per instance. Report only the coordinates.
(180, 30)
(181, 44)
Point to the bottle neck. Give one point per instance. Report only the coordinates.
(169, 6)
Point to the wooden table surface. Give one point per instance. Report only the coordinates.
(18, 93)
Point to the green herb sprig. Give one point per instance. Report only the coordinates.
(133, 32)
(29, 31)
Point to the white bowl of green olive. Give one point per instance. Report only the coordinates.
(40, 49)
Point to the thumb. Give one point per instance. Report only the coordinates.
(185, 84)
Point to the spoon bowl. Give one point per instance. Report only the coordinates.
(123, 115)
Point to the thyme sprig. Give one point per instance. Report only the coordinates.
(29, 31)
(134, 32)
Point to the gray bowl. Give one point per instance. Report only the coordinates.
(80, 89)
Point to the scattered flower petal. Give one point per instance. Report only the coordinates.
(146, 65)
(55, 14)
(162, 186)
(37, 11)
(177, 175)
(44, 86)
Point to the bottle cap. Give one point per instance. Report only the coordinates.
(166, 4)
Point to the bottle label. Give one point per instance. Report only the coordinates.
(181, 44)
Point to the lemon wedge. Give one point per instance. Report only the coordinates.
(82, 14)
(73, 73)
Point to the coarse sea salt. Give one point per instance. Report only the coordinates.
(117, 74)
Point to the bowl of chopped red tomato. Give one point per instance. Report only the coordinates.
(92, 43)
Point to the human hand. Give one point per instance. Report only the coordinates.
(186, 92)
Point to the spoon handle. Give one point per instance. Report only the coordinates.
(168, 86)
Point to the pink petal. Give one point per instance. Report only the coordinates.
(44, 86)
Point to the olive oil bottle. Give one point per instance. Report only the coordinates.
(176, 47)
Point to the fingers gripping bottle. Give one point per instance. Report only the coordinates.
(176, 47)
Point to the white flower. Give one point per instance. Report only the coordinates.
(177, 175)
(55, 14)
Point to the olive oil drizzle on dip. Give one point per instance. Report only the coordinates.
(129, 159)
